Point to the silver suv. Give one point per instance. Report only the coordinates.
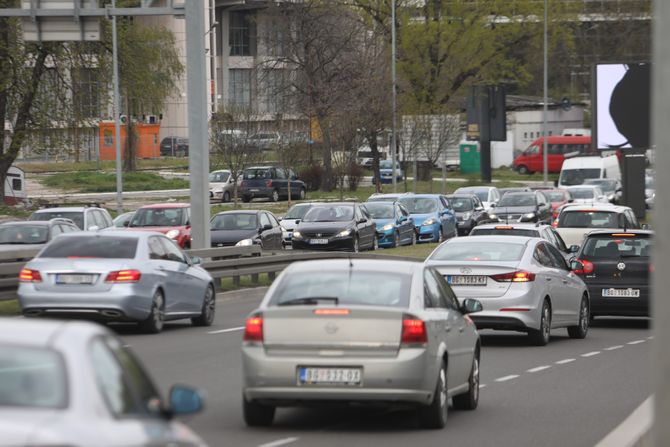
(88, 218)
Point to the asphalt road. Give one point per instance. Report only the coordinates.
(569, 393)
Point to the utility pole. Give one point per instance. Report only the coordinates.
(395, 105)
(545, 106)
(117, 117)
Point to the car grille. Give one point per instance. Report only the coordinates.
(223, 244)
(317, 234)
(509, 216)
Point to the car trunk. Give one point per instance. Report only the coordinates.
(472, 270)
(77, 275)
(606, 272)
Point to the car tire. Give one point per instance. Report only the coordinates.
(413, 238)
(257, 415)
(540, 337)
(246, 199)
(208, 311)
(154, 322)
(375, 243)
(396, 239)
(303, 194)
(275, 196)
(440, 236)
(582, 327)
(470, 400)
(226, 197)
(356, 248)
(434, 416)
(523, 170)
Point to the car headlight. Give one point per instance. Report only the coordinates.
(343, 233)
(297, 235)
(172, 234)
(245, 243)
(467, 216)
(430, 221)
(387, 227)
(493, 216)
(529, 215)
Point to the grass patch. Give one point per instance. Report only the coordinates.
(106, 182)
(12, 211)
(70, 166)
(502, 174)
(9, 308)
(419, 251)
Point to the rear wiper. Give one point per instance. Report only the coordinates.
(309, 300)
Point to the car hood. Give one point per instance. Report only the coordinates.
(463, 213)
(324, 227)
(514, 210)
(229, 236)
(420, 218)
(289, 224)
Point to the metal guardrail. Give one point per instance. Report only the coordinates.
(221, 263)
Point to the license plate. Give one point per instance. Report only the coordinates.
(623, 293)
(253, 190)
(335, 376)
(467, 280)
(75, 279)
(318, 241)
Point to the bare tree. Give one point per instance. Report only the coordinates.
(413, 137)
(444, 131)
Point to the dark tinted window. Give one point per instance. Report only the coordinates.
(614, 246)
(432, 293)
(76, 216)
(159, 217)
(445, 289)
(297, 211)
(542, 256)
(557, 259)
(23, 234)
(517, 199)
(588, 219)
(255, 174)
(108, 247)
(461, 203)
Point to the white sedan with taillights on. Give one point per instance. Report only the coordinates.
(523, 283)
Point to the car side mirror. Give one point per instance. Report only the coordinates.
(571, 200)
(266, 227)
(196, 260)
(556, 183)
(126, 223)
(479, 208)
(93, 228)
(576, 265)
(574, 248)
(185, 400)
(362, 220)
(493, 205)
(470, 306)
(645, 227)
(279, 218)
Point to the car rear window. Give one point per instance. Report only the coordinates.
(108, 247)
(618, 245)
(76, 216)
(254, 174)
(24, 234)
(479, 251)
(504, 232)
(350, 287)
(588, 219)
(32, 378)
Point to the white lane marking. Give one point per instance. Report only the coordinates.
(591, 354)
(279, 442)
(482, 385)
(230, 329)
(538, 369)
(506, 378)
(636, 342)
(650, 338)
(612, 348)
(564, 361)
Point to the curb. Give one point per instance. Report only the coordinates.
(635, 431)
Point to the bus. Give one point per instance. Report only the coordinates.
(560, 147)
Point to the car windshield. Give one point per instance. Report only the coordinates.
(383, 199)
(234, 221)
(32, 378)
(461, 204)
(297, 211)
(330, 213)
(583, 193)
(219, 177)
(419, 205)
(478, 251)
(255, 174)
(504, 232)
(76, 216)
(380, 210)
(515, 199)
(24, 234)
(617, 246)
(387, 164)
(158, 217)
(482, 193)
(555, 196)
(588, 219)
(122, 219)
(348, 287)
(605, 185)
(578, 176)
(91, 246)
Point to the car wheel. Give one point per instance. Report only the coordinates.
(356, 247)
(154, 322)
(470, 400)
(375, 243)
(246, 199)
(413, 237)
(208, 311)
(257, 415)
(396, 239)
(226, 197)
(523, 170)
(582, 327)
(435, 414)
(275, 195)
(303, 193)
(440, 236)
(541, 336)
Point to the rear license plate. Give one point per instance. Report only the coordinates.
(318, 241)
(329, 376)
(75, 279)
(622, 293)
(254, 190)
(467, 280)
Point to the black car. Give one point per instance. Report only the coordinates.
(615, 266)
(469, 211)
(271, 182)
(530, 206)
(504, 191)
(242, 228)
(174, 147)
(336, 226)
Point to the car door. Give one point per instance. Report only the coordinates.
(166, 273)
(570, 286)
(265, 231)
(405, 223)
(278, 232)
(450, 216)
(366, 227)
(553, 277)
(281, 181)
(181, 294)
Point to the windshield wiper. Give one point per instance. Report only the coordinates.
(309, 300)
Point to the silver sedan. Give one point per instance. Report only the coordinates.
(117, 276)
(524, 284)
(75, 384)
(361, 331)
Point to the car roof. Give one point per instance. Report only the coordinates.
(492, 238)
(336, 203)
(221, 170)
(520, 226)
(261, 167)
(520, 193)
(166, 205)
(241, 212)
(21, 223)
(41, 332)
(581, 186)
(600, 232)
(596, 207)
(112, 232)
(385, 265)
(426, 196)
(67, 208)
(474, 188)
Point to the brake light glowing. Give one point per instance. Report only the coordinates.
(126, 276)
(413, 331)
(622, 235)
(555, 223)
(332, 312)
(588, 267)
(518, 276)
(28, 275)
(253, 329)
(504, 228)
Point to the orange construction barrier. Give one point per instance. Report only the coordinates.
(148, 145)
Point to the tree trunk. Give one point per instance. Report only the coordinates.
(327, 183)
(130, 160)
(372, 141)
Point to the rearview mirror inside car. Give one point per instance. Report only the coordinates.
(471, 306)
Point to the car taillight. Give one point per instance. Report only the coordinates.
(413, 331)
(588, 267)
(268, 183)
(518, 276)
(28, 275)
(555, 223)
(253, 329)
(124, 276)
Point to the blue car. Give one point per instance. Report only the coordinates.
(395, 226)
(434, 218)
(390, 197)
(385, 172)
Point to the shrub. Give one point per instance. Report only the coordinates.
(354, 176)
(312, 176)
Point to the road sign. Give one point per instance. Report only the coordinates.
(75, 28)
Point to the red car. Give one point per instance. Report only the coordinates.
(532, 159)
(557, 198)
(171, 219)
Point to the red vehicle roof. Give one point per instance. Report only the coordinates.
(167, 205)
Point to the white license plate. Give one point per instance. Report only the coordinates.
(623, 293)
(74, 279)
(254, 190)
(340, 376)
(467, 280)
(318, 241)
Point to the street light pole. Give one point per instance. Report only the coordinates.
(116, 107)
(393, 96)
(545, 106)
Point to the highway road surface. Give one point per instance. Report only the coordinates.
(569, 393)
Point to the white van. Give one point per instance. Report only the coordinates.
(578, 169)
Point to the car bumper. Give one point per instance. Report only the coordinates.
(465, 227)
(386, 238)
(525, 312)
(618, 306)
(339, 244)
(256, 192)
(428, 233)
(405, 378)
